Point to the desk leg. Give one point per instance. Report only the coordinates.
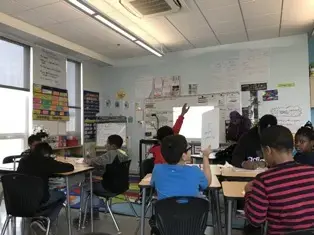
(68, 206)
(213, 211)
(218, 214)
(91, 201)
(143, 211)
(229, 217)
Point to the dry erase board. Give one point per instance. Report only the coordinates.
(110, 125)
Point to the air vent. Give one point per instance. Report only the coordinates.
(149, 8)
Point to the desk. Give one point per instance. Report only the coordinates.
(76, 176)
(230, 172)
(214, 193)
(232, 191)
(215, 169)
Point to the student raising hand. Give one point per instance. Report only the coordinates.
(185, 109)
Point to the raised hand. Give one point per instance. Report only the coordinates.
(185, 109)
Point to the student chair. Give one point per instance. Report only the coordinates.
(22, 196)
(181, 216)
(115, 182)
(10, 159)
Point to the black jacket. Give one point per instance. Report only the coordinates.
(305, 158)
(248, 148)
(43, 167)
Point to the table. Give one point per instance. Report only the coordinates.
(72, 178)
(214, 193)
(230, 172)
(215, 169)
(232, 191)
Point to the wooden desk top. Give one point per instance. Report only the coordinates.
(215, 169)
(233, 189)
(78, 167)
(145, 182)
(230, 172)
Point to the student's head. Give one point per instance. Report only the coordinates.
(266, 121)
(277, 144)
(33, 140)
(163, 132)
(174, 148)
(114, 142)
(42, 149)
(304, 138)
(235, 117)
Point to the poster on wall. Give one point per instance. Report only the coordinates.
(50, 68)
(50, 104)
(166, 87)
(91, 108)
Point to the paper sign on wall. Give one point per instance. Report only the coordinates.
(211, 129)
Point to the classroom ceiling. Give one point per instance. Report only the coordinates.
(202, 23)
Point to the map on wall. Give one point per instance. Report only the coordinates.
(91, 108)
(50, 104)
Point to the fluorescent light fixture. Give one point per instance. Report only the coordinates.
(142, 44)
(82, 7)
(115, 27)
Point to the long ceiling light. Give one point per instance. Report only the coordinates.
(111, 24)
(82, 6)
(115, 27)
(142, 44)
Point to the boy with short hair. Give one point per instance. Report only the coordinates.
(176, 178)
(33, 140)
(283, 196)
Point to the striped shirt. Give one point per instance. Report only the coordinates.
(284, 196)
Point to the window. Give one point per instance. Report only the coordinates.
(74, 96)
(192, 127)
(14, 98)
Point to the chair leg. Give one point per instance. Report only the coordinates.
(112, 216)
(48, 224)
(80, 210)
(131, 205)
(85, 211)
(5, 225)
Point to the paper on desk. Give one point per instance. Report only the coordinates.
(80, 161)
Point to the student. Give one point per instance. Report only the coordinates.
(247, 153)
(40, 164)
(304, 141)
(239, 125)
(113, 147)
(283, 196)
(175, 178)
(165, 131)
(33, 140)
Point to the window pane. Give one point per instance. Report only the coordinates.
(14, 65)
(14, 115)
(9, 147)
(74, 124)
(74, 83)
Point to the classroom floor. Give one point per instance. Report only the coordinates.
(127, 225)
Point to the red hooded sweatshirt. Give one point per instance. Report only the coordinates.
(156, 150)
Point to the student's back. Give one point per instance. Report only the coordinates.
(178, 180)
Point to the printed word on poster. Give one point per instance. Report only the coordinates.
(50, 104)
(91, 108)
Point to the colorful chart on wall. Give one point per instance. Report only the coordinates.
(50, 104)
(91, 108)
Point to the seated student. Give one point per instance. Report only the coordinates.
(32, 141)
(114, 144)
(175, 178)
(304, 141)
(247, 153)
(283, 195)
(164, 131)
(40, 164)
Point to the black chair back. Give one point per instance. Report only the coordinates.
(10, 159)
(116, 177)
(181, 215)
(147, 167)
(22, 194)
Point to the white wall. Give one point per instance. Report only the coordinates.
(288, 63)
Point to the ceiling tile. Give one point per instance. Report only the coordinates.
(204, 42)
(254, 8)
(224, 14)
(180, 46)
(211, 4)
(31, 17)
(226, 27)
(11, 7)
(298, 11)
(35, 3)
(232, 38)
(101, 5)
(263, 33)
(262, 21)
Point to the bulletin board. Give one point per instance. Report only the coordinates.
(163, 108)
(91, 108)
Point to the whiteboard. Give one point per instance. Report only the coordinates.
(104, 130)
(226, 102)
(211, 129)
